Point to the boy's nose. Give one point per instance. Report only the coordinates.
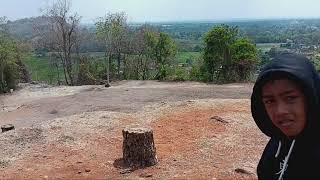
(281, 109)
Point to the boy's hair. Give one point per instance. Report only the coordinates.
(271, 77)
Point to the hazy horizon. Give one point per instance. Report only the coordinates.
(141, 11)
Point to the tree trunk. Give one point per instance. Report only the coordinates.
(119, 65)
(64, 70)
(124, 67)
(69, 71)
(58, 74)
(106, 61)
(108, 68)
(138, 147)
(2, 75)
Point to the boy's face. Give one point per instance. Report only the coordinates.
(286, 106)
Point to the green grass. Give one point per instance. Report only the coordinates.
(40, 69)
(182, 57)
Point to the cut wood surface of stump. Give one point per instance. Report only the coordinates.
(138, 147)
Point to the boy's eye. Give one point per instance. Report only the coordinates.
(268, 101)
(291, 98)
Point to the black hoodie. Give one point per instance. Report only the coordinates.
(304, 159)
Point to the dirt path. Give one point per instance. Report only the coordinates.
(75, 132)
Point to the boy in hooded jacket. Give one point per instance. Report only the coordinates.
(285, 106)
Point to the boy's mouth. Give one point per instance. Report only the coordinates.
(286, 123)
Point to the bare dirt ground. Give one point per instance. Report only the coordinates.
(75, 132)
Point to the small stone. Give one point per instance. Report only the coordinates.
(87, 170)
(219, 119)
(79, 172)
(53, 111)
(79, 162)
(242, 171)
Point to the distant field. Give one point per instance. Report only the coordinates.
(267, 46)
(187, 45)
(188, 41)
(183, 57)
(40, 69)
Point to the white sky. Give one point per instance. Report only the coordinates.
(172, 10)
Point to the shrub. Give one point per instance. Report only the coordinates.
(10, 77)
(178, 74)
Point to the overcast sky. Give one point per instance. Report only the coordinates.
(173, 10)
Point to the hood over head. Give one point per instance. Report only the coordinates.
(299, 69)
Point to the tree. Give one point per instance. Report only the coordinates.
(61, 35)
(112, 31)
(244, 58)
(151, 54)
(264, 58)
(140, 62)
(227, 57)
(8, 68)
(162, 48)
(217, 54)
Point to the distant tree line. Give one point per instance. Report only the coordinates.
(302, 31)
(142, 52)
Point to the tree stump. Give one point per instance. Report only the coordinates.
(7, 127)
(138, 147)
(107, 85)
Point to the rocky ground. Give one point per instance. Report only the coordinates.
(201, 131)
